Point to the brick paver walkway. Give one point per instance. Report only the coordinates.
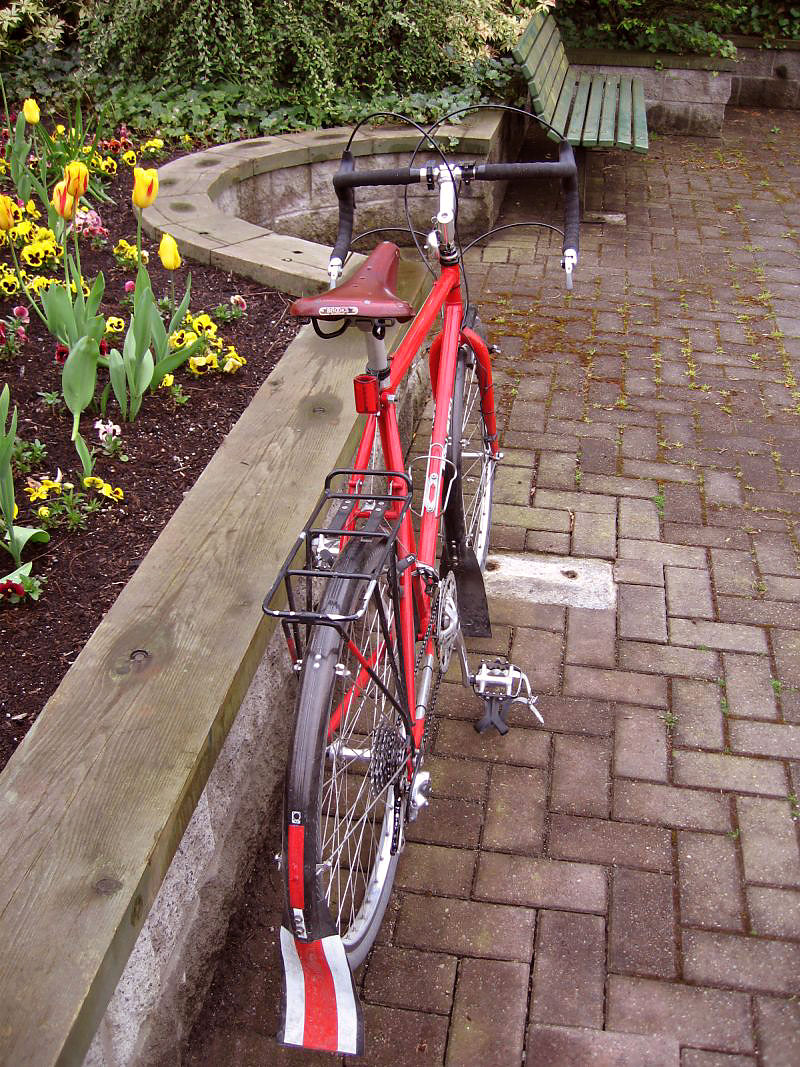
(622, 887)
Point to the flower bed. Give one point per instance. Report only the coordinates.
(100, 521)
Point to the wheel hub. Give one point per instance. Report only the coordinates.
(447, 624)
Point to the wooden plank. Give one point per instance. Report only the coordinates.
(554, 81)
(561, 113)
(529, 34)
(575, 129)
(608, 116)
(624, 113)
(554, 96)
(535, 71)
(591, 124)
(640, 137)
(538, 45)
(94, 802)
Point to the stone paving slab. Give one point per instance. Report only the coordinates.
(622, 886)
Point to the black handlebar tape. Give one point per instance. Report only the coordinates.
(396, 176)
(572, 208)
(347, 207)
(498, 172)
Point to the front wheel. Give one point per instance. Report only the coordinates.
(346, 779)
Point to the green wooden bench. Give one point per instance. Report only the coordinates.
(589, 110)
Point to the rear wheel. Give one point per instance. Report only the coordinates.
(469, 506)
(346, 776)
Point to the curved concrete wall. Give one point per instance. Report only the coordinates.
(265, 208)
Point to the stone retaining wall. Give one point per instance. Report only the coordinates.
(767, 77)
(680, 99)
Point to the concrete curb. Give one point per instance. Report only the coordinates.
(168, 973)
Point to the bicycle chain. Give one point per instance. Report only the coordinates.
(429, 714)
(388, 748)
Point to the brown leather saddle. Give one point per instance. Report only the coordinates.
(367, 295)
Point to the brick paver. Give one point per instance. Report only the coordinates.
(569, 970)
(621, 887)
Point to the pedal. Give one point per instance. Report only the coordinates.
(499, 685)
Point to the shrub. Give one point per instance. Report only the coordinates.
(26, 21)
(703, 27)
(313, 51)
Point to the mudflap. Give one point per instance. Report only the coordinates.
(321, 1009)
(473, 608)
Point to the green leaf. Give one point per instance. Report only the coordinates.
(20, 536)
(157, 332)
(79, 377)
(116, 371)
(96, 328)
(20, 572)
(59, 313)
(173, 360)
(144, 373)
(79, 303)
(180, 313)
(84, 454)
(95, 295)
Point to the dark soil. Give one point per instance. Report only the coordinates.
(168, 446)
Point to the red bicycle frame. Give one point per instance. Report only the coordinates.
(444, 296)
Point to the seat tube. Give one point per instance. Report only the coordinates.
(393, 453)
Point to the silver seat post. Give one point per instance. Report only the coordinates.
(377, 356)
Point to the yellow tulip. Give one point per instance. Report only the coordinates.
(168, 253)
(6, 212)
(76, 176)
(30, 109)
(145, 187)
(62, 201)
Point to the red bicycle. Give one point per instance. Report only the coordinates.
(374, 604)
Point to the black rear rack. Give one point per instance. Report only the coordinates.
(360, 515)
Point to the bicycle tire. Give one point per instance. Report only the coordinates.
(348, 856)
(471, 491)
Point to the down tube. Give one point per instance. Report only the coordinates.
(432, 493)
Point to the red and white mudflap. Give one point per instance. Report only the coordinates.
(320, 1004)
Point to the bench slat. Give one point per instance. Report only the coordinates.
(523, 46)
(538, 77)
(555, 83)
(557, 74)
(608, 117)
(592, 123)
(575, 129)
(537, 46)
(640, 139)
(624, 113)
(559, 119)
(556, 94)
